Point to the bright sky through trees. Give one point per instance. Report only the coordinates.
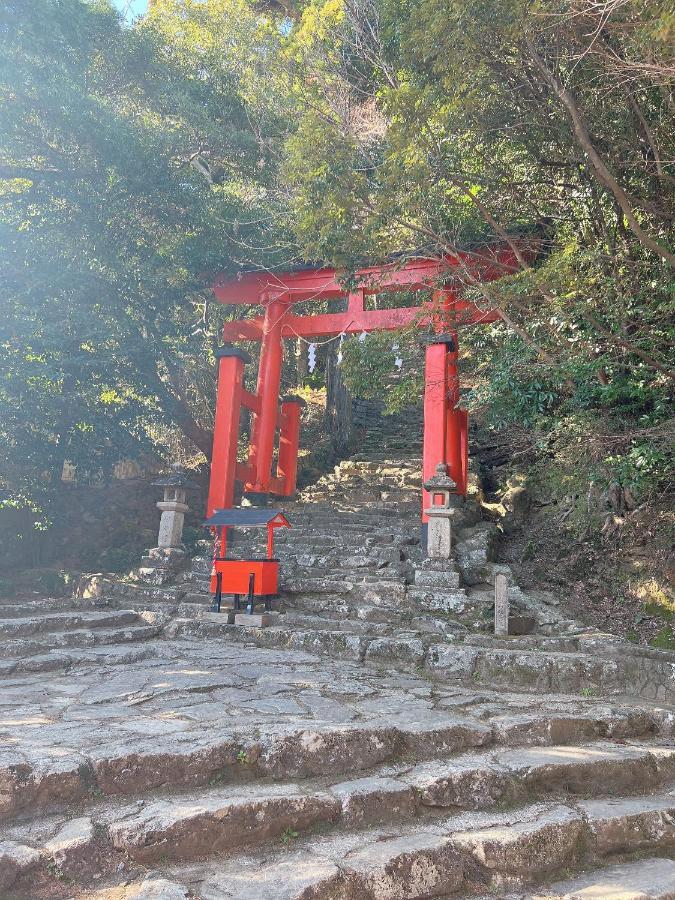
(131, 8)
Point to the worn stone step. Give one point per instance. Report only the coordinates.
(479, 781)
(374, 573)
(99, 587)
(646, 879)
(56, 640)
(194, 825)
(309, 542)
(388, 591)
(451, 600)
(58, 660)
(308, 622)
(59, 621)
(32, 780)
(428, 578)
(413, 862)
(39, 782)
(220, 821)
(23, 609)
(540, 643)
(317, 586)
(554, 672)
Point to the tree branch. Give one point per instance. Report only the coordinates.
(598, 166)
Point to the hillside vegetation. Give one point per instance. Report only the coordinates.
(137, 158)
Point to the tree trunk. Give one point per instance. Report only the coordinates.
(338, 404)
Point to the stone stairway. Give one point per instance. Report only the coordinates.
(41, 636)
(376, 743)
(356, 587)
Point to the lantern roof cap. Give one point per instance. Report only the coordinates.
(440, 480)
(178, 477)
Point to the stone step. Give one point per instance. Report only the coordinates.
(52, 621)
(56, 640)
(309, 541)
(345, 607)
(404, 859)
(23, 609)
(293, 619)
(351, 496)
(382, 518)
(58, 660)
(427, 578)
(373, 573)
(555, 672)
(305, 752)
(388, 591)
(539, 643)
(197, 824)
(452, 600)
(38, 774)
(646, 879)
(643, 675)
(480, 781)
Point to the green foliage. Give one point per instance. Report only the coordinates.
(664, 639)
(106, 229)
(644, 467)
(440, 124)
(226, 135)
(369, 370)
(516, 388)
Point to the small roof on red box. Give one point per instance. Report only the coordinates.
(247, 517)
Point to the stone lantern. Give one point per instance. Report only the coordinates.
(440, 488)
(161, 562)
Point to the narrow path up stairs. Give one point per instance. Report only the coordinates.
(377, 743)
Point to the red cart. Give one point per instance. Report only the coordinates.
(257, 579)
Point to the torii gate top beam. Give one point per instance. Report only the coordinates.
(263, 288)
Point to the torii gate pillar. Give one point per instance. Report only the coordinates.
(231, 361)
(267, 393)
(445, 426)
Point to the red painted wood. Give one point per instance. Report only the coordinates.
(267, 392)
(453, 436)
(445, 434)
(289, 444)
(236, 573)
(316, 284)
(250, 401)
(355, 322)
(433, 451)
(464, 432)
(225, 433)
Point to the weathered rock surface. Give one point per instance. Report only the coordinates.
(377, 743)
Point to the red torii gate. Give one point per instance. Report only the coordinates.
(445, 425)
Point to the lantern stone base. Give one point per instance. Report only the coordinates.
(160, 565)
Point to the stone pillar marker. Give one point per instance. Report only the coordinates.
(161, 562)
(439, 536)
(501, 605)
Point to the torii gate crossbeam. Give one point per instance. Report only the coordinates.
(445, 425)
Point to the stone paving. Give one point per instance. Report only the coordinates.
(369, 746)
(147, 777)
